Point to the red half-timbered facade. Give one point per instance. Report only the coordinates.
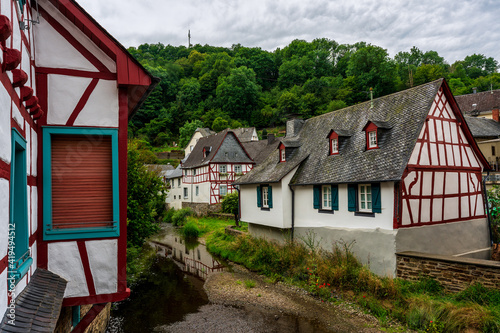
(442, 182)
(67, 90)
(214, 164)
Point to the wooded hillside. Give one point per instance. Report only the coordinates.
(220, 87)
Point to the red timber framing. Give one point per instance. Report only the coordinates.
(442, 182)
(216, 179)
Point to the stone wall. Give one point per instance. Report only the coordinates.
(171, 155)
(202, 209)
(454, 273)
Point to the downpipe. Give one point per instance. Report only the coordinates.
(487, 204)
(293, 211)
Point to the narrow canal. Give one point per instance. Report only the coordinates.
(173, 288)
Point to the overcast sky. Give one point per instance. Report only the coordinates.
(453, 28)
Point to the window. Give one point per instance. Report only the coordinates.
(175, 197)
(325, 197)
(223, 190)
(81, 191)
(191, 148)
(222, 168)
(197, 189)
(493, 151)
(282, 155)
(334, 148)
(19, 257)
(264, 197)
(185, 192)
(372, 139)
(364, 198)
(237, 168)
(185, 172)
(178, 182)
(194, 172)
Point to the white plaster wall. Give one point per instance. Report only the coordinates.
(3, 292)
(16, 114)
(4, 216)
(64, 94)
(76, 33)
(175, 191)
(204, 194)
(102, 106)
(34, 152)
(307, 216)
(28, 149)
(34, 209)
(103, 260)
(64, 255)
(194, 139)
(5, 127)
(251, 213)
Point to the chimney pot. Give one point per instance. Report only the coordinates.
(495, 114)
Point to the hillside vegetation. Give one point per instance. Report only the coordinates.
(220, 87)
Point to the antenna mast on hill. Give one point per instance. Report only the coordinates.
(189, 39)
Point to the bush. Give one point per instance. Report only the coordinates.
(168, 215)
(230, 205)
(190, 230)
(179, 217)
(494, 206)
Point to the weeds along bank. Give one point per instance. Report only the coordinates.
(336, 275)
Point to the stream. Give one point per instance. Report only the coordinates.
(173, 289)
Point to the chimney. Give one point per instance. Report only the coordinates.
(495, 114)
(270, 138)
(474, 90)
(293, 127)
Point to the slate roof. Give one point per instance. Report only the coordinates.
(402, 115)
(483, 127)
(259, 150)
(485, 101)
(176, 173)
(213, 144)
(38, 306)
(205, 131)
(244, 134)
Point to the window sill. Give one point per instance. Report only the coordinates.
(325, 211)
(366, 214)
(265, 208)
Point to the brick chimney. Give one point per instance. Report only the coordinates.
(495, 114)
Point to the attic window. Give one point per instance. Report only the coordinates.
(371, 135)
(372, 139)
(282, 153)
(333, 139)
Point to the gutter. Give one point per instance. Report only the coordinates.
(293, 210)
(487, 204)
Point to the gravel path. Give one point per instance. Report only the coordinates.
(268, 307)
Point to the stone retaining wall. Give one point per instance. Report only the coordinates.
(171, 155)
(454, 273)
(202, 209)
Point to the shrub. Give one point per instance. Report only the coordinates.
(168, 215)
(190, 230)
(180, 216)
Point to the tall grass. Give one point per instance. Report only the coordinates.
(422, 305)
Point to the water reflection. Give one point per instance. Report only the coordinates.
(192, 255)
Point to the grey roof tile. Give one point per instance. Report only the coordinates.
(401, 115)
(483, 127)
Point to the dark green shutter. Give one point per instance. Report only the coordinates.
(352, 191)
(376, 200)
(259, 197)
(335, 197)
(316, 197)
(270, 196)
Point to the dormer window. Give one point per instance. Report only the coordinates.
(282, 153)
(334, 146)
(334, 141)
(372, 139)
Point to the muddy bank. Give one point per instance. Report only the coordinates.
(268, 307)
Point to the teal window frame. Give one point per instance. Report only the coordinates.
(260, 197)
(353, 198)
(318, 197)
(18, 217)
(78, 233)
(21, 5)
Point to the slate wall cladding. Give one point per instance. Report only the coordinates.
(454, 273)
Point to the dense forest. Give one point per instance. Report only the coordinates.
(219, 87)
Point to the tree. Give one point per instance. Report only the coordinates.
(230, 205)
(145, 199)
(427, 73)
(220, 124)
(187, 131)
(295, 72)
(477, 65)
(238, 93)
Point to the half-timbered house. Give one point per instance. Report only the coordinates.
(399, 173)
(214, 164)
(67, 91)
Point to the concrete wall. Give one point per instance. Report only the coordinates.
(455, 274)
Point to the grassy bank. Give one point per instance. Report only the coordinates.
(422, 305)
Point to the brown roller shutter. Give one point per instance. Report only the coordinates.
(82, 188)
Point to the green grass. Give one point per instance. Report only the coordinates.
(208, 225)
(423, 305)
